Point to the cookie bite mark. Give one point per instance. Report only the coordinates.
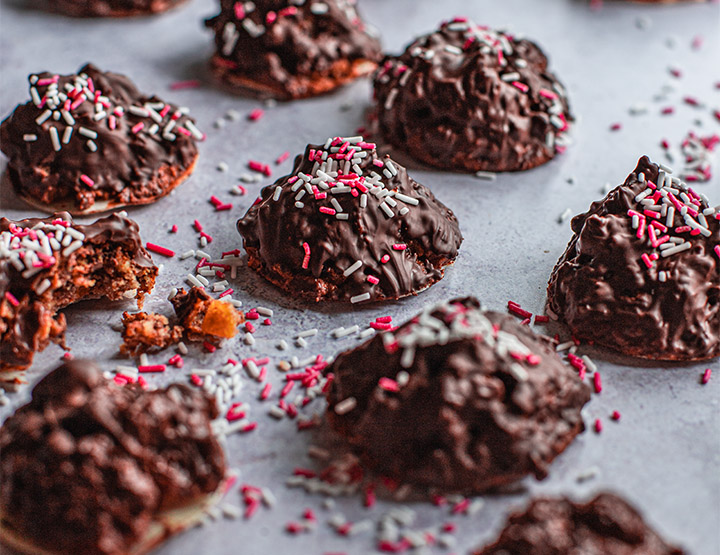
(641, 274)
(349, 225)
(290, 50)
(457, 399)
(91, 142)
(469, 98)
(48, 264)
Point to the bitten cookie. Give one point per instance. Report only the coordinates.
(288, 49)
(92, 467)
(91, 142)
(607, 524)
(111, 8)
(469, 98)
(47, 264)
(458, 399)
(641, 274)
(348, 225)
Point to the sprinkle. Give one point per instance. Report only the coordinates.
(386, 258)
(137, 127)
(11, 298)
(181, 85)
(256, 114)
(360, 298)
(345, 406)
(706, 376)
(55, 139)
(159, 250)
(521, 86)
(29, 138)
(597, 382)
(87, 180)
(399, 247)
(615, 415)
(152, 368)
(565, 215)
(616, 127)
(284, 156)
(598, 426)
(486, 176)
(353, 268)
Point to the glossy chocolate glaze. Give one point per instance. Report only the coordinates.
(604, 291)
(486, 401)
(469, 98)
(130, 166)
(558, 526)
(87, 464)
(281, 48)
(274, 232)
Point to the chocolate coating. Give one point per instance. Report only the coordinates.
(479, 402)
(469, 98)
(275, 231)
(288, 51)
(110, 262)
(111, 8)
(127, 165)
(558, 526)
(87, 464)
(603, 289)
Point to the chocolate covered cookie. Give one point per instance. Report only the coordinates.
(349, 225)
(111, 8)
(641, 274)
(457, 398)
(558, 526)
(469, 98)
(95, 468)
(288, 49)
(90, 142)
(47, 264)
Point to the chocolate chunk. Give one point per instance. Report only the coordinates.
(349, 225)
(143, 332)
(291, 50)
(90, 142)
(469, 98)
(48, 264)
(458, 399)
(641, 274)
(87, 466)
(111, 8)
(607, 524)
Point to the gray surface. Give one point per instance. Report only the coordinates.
(663, 455)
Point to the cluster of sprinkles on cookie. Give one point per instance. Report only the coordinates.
(352, 220)
(491, 71)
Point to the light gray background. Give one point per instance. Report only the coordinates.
(663, 455)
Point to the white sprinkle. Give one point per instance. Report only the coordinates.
(565, 215)
(29, 138)
(55, 138)
(366, 333)
(276, 194)
(360, 298)
(249, 339)
(589, 363)
(193, 281)
(194, 130)
(353, 268)
(43, 117)
(308, 333)
(518, 372)
(92, 147)
(487, 176)
(282, 345)
(187, 254)
(588, 474)
(223, 167)
(346, 405)
(42, 286)
(564, 346)
(319, 8)
(182, 348)
(385, 208)
(676, 249)
(75, 245)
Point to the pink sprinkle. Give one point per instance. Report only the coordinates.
(198, 227)
(522, 86)
(174, 229)
(252, 314)
(616, 127)
(675, 72)
(284, 156)
(137, 127)
(515, 308)
(547, 94)
(209, 347)
(706, 376)
(717, 250)
(270, 18)
(667, 110)
(208, 237)
(327, 210)
(615, 415)
(67, 356)
(249, 427)
(597, 382)
(196, 380)
(647, 261)
(370, 496)
(541, 319)
(286, 389)
(266, 322)
(598, 426)
(180, 85)
(691, 100)
(239, 10)
(249, 327)
(257, 113)
(265, 393)
(384, 319)
(385, 259)
(87, 180)
(388, 385)
(11, 298)
(399, 247)
(152, 368)
(263, 374)
(373, 280)
(226, 293)
(380, 326)
(159, 250)
(461, 506)
(697, 42)
(306, 258)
